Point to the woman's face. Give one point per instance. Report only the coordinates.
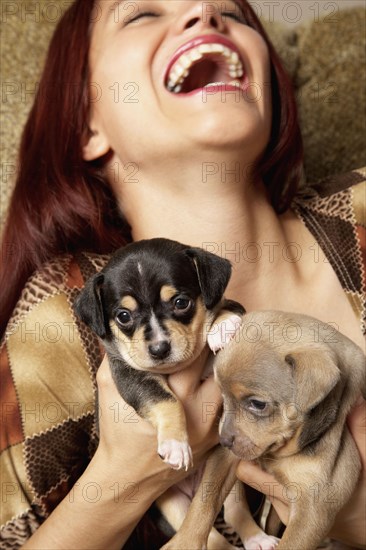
(169, 77)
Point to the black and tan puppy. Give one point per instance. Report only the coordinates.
(288, 384)
(155, 306)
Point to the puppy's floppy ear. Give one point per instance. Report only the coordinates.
(315, 373)
(213, 274)
(89, 306)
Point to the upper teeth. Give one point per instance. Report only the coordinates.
(180, 70)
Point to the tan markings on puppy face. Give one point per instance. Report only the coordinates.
(238, 390)
(167, 292)
(133, 349)
(187, 342)
(129, 348)
(128, 302)
(115, 330)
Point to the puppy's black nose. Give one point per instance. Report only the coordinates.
(160, 350)
(227, 441)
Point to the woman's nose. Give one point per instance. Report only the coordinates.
(204, 15)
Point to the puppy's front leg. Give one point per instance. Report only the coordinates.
(217, 480)
(153, 400)
(169, 419)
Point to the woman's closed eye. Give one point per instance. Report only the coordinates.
(138, 15)
(233, 10)
(236, 15)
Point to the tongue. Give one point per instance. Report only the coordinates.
(201, 74)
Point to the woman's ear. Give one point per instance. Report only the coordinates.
(96, 145)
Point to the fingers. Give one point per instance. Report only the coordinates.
(201, 399)
(187, 382)
(263, 482)
(105, 381)
(113, 409)
(357, 418)
(202, 404)
(103, 373)
(357, 425)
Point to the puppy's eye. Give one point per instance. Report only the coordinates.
(257, 406)
(182, 304)
(124, 317)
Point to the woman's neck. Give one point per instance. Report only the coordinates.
(235, 221)
(211, 211)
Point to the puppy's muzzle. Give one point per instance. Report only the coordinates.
(241, 445)
(160, 350)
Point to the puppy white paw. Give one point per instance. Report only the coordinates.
(176, 453)
(221, 333)
(261, 542)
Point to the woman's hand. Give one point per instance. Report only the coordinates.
(129, 444)
(349, 526)
(125, 474)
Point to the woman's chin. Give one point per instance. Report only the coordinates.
(228, 127)
(231, 138)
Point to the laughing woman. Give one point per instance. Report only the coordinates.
(157, 118)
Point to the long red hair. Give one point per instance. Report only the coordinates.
(61, 203)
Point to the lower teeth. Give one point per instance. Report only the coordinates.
(178, 88)
(232, 83)
(215, 84)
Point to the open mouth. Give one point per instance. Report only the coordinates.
(202, 63)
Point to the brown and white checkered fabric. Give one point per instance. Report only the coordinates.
(48, 361)
(334, 211)
(48, 365)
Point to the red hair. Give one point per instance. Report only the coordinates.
(61, 203)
